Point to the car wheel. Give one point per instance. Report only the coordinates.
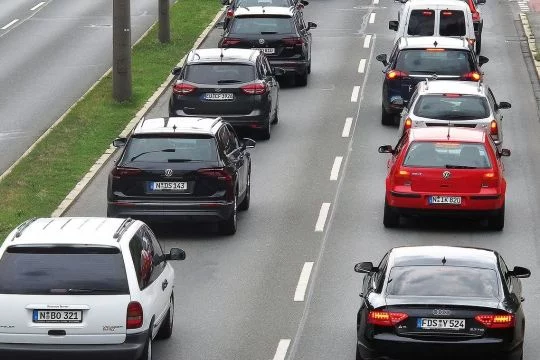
(386, 117)
(391, 217)
(496, 222)
(147, 351)
(228, 227)
(478, 45)
(166, 328)
(267, 130)
(358, 356)
(301, 80)
(244, 205)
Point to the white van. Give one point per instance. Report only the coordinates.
(434, 18)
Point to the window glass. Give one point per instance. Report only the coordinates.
(449, 155)
(214, 74)
(421, 23)
(150, 148)
(233, 138)
(452, 107)
(62, 270)
(435, 61)
(156, 253)
(262, 25)
(452, 23)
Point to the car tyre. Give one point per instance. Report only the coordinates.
(358, 356)
(266, 131)
(387, 119)
(302, 79)
(478, 44)
(391, 217)
(244, 205)
(496, 222)
(228, 227)
(147, 351)
(166, 328)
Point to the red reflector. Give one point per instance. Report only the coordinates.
(292, 41)
(452, 95)
(230, 41)
(254, 89)
(427, 13)
(183, 88)
(386, 318)
(396, 75)
(447, 13)
(134, 318)
(492, 321)
(125, 171)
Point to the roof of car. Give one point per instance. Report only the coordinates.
(425, 42)
(452, 87)
(444, 255)
(97, 231)
(444, 133)
(449, 3)
(229, 55)
(178, 125)
(264, 10)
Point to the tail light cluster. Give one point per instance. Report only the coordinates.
(223, 175)
(230, 13)
(472, 76)
(407, 124)
(492, 321)
(402, 177)
(386, 318)
(255, 88)
(230, 41)
(293, 41)
(475, 15)
(490, 180)
(181, 88)
(396, 75)
(134, 317)
(120, 171)
(493, 128)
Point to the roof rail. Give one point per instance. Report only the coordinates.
(122, 228)
(23, 226)
(218, 119)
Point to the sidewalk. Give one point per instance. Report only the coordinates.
(530, 18)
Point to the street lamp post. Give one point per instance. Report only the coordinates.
(121, 50)
(164, 22)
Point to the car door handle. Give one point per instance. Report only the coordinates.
(522, 299)
(164, 284)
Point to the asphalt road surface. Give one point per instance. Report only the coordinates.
(235, 295)
(51, 52)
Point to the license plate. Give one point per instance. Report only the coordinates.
(452, 200)
(266, 50)
(441, 324)
(57, 316)
(219, 96)
(168, 186)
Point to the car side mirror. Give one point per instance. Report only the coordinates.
(248, 143)
(504, 105)
(397, 101)
(482, 60)
(277, 71)
(480, 2)
(311, 25)
(386, 149)
(119, 142)
(505, 152)
(304, 2)
(176, 254)
(382, 58)
(365, 267)
(393, 25)
(176, 71)
(520, 272)
(220, 24)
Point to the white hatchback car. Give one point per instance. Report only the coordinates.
(84, 288)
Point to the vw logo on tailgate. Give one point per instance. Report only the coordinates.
(442, 312)
(446, 174)
(261, 41)
(168, 172)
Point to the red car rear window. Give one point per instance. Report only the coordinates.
(449, 155)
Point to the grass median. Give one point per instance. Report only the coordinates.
(38, 184)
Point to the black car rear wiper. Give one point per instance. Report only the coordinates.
(180, 160)
(150, 152)
(228, 81)
(268, 32)
(450, 166)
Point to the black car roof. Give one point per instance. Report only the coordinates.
(226, 55)
(443, 255)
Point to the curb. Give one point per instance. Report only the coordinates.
(92, 172)
(531, 41)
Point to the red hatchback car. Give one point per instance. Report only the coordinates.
(447, 171)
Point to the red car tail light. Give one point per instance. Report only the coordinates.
(475, 15)
(120, 171)
(472, 76)
(230, 41)
(223, 175)
(402, 177)
(493, 128)
(490, 179)
(183, 88)
(134, 318)
(293, 41)
(492, 321)
(396, 75)
(230, 13)
(386, 318)
(254, 89)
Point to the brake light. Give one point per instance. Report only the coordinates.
(254, 89)
(230, 13)
(475, 15)
(386, 318)
(183, 88)
(396, 75)
(427, 13)
(134, 318)
(435, 50)
(447, 13)
(293, 41)
(452, 95)
(402, 177)
(493, 128)
(490, 179)
(408, 124)
(120, 171)
(220, 174)
(230, 41)
(472, 76)
(492, 321)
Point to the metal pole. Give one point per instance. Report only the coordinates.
(121, 50)
(164, 22)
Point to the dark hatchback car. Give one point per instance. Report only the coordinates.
(413, 59)
(236, 84)
(181, 169)
(235, 4)
(441, 302)
(279, 32)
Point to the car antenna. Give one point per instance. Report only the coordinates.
(444, 260)
(435, 43)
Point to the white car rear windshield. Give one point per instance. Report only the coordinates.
(452, 107)
(449, 155)
(452, 23)
(421, 23)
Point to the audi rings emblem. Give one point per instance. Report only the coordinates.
(442, 312)
(168, 172)
(446, 174)
(261, 41)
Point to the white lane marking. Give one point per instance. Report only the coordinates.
(303, 281)
(347, 127)
(372, 18)
(367, 40)
(375, 2)
(37, 6)
(335, 168)
(282, 348)
(323, 214)
(362, 66)
(355, 92)
(8, 25)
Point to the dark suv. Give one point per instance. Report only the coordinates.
(235, 4)
(236, 84)
(191, 169)
(413, 59)
(279, 32)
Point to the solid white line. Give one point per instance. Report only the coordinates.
(8, 25)
(367, 40)
(282, 348)
(347, 127)
(372, 18)
(303, 281)
(375, 2)
(37, 6)
(362, 66)
(355, 92)
(335, 168)
(323, 214)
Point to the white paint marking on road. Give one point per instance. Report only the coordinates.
(38, 6)
(303, 281)
(355, 92)
(282, 348)
(375, 2)
(372, 18)
(335, 168)
(367, 40)
(8, 25)
(323, 214)
(362, 66)
(347, 127)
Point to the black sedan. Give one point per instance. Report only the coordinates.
(441, 302)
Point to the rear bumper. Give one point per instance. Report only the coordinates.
(131, 349)
(255, 119)
(290, 66)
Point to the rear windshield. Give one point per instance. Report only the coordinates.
(448, 155)
(452, 23)
(62, 271)
(248, 3)
(262, 25)
(437, 280)
(435, 61)
(171, 149)
(452, 107)
(421, 23)
(214, 74)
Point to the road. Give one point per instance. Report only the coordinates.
(235, 295)
(51, 53)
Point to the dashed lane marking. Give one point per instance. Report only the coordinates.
(367, 40)
(362, 66)
(282, 348)
(38, 6)
(355, 92)
(9, 24)
(303, 282)
(347, 127)
(334, 173)
(323, 214)
(372, 18)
